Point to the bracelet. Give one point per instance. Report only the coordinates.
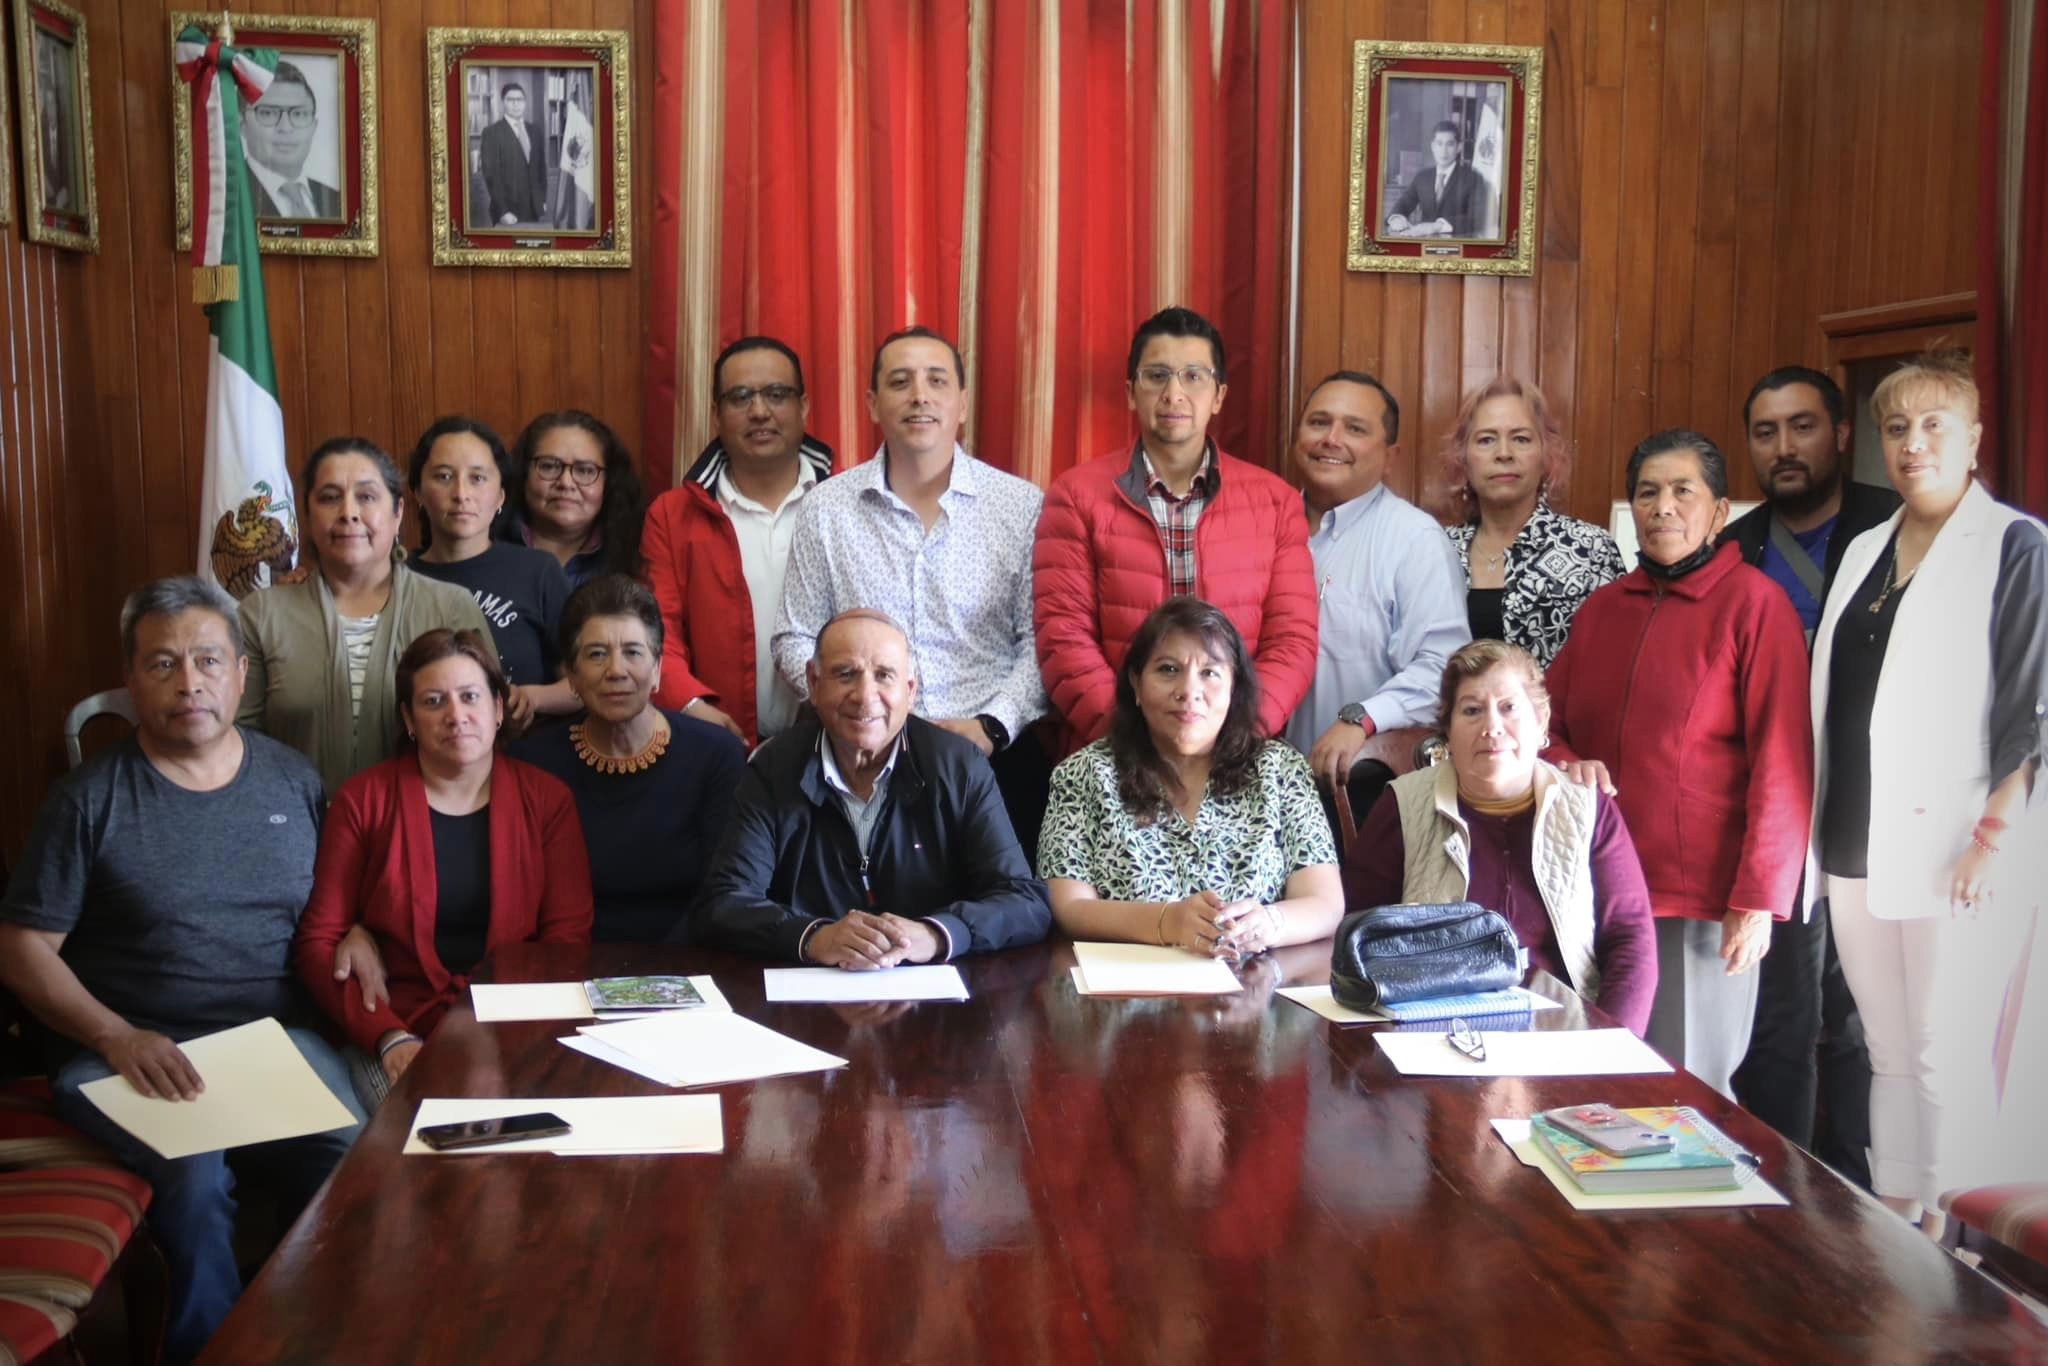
(1160, 932)
(385, 1048)
(1991, 823)
(1982, 843)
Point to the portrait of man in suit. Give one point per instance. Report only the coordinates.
(514, 165)
(281, 133)
(1446, 198)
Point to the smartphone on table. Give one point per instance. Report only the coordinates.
(1606, 1128)
(482, 1133)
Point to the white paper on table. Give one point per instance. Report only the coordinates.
(259, 1088)
(696, 1048)
(616, 1125)
(604, 1052)
(1538, 1053)
(1754, 1190)
(1324, 1003)
(504, 1002)
(1151, 970)
(922, 982)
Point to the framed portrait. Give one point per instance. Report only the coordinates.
(1445, 143)
(310, 144)
(53, 70)
(531, 146)
(6, 143)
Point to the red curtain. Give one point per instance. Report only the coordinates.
(1029, 177)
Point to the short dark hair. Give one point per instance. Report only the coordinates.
(756, 344)
(608, 595)
(173, 597)
(1175, 322)
(1447, 126)
(1393, 417)
(1144, 781)
(291, 75)
(431, 647)
(1713, 465)
(1829, 391)
(352, 445)
(623, 513)
(905, 334)
(511, 87)
(423, 450)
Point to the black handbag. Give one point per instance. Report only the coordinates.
(1392, 954)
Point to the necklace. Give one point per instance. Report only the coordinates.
(1892, 583)
(632, 763)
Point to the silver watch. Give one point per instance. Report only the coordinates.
(1352, 713)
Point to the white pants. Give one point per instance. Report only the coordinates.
(1930, 993)
(1700, 1017)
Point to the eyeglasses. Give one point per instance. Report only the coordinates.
(271, 115)
(1467, 1040)
(584, 472)
(775, 395)
(1195, 379)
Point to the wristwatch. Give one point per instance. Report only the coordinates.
(1352, 713)
(998, 734)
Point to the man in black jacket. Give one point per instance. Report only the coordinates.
(867, 837)
(1807, 1041)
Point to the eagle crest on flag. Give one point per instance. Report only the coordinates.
(253, 546)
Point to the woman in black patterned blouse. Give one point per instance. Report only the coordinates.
(1527, 566)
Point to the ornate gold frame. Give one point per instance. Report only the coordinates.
(31, 131)
(612, 50)
(6, 147)
(1523, 68)
(358, 38)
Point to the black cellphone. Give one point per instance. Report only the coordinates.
(481, 1133)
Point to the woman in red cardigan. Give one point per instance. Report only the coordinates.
(442, 854)
(1682, 691)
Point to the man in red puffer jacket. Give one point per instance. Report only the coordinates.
(1170, 515)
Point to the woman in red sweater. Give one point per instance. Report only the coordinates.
(1682, 691)
(441, 854)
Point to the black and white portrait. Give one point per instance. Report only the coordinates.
(1441, 156)
(60, 151)
(531, 136)
(292, 140)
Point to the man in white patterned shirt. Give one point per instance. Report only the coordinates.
(942, 543)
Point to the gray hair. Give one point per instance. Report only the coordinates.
(864, 614)
(171, 597)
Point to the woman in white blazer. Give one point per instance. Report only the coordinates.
(1930, 684)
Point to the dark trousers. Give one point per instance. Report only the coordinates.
(1024, 777)
(1807, 1073)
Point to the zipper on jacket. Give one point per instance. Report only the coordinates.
(1635, 663)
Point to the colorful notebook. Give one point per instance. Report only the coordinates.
(643, 993)
(1509, 1001)
(1703, 1158)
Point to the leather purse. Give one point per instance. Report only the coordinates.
(1392, 954)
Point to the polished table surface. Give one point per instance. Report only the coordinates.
(1032, 1175)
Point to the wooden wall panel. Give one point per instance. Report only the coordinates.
(103, 358)
(1717, 174)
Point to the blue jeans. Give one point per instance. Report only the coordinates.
(193, 1211)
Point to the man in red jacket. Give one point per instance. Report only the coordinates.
(718, 544)
(1170, 515)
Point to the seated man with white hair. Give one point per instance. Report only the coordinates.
(865, 837)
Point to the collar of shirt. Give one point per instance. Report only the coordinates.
(273, 184)
(732, 498)
(872, 478)
(836, 780)
(1202, 485)
(591, 544)
(1344, 516)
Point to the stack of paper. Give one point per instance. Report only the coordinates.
(928, 982)
(503, 1002)
(259, 1088)
(1754, 1190)
(698, 1048)
(1149, 970)
(616, 1125)
(1324, 1003)
(1541, 1053)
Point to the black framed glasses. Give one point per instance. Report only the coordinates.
(1195, 379)
(584, 472)
(774, 395)
(271, 115)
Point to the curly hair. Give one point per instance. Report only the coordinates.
(1458, 497)
(1480, 658)
(623, 513)
(1145, 782)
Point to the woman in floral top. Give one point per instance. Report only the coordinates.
(1182, 826)
(1527, 566)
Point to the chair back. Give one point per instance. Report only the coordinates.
(1403, 751)
(112, 702)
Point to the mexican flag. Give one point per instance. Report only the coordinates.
(248, 528)
(575, 206)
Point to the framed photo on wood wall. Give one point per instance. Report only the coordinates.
(1445, 144)
(531, 156)
(6, 142)
(53, 67)
(310, 143)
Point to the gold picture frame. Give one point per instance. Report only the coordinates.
(1446, 152)
(6, 144)
(341, 57)
(52, 62)
(472, 76)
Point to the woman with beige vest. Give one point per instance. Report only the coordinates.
(323, 653)
(1498, 826)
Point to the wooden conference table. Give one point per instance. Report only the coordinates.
(1034, 1176)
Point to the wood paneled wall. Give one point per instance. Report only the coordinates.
(101, 415)
(1717, 174)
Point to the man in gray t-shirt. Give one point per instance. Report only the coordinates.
(157, 902)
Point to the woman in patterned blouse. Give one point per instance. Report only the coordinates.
(1528, 567)
(1182, 826)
